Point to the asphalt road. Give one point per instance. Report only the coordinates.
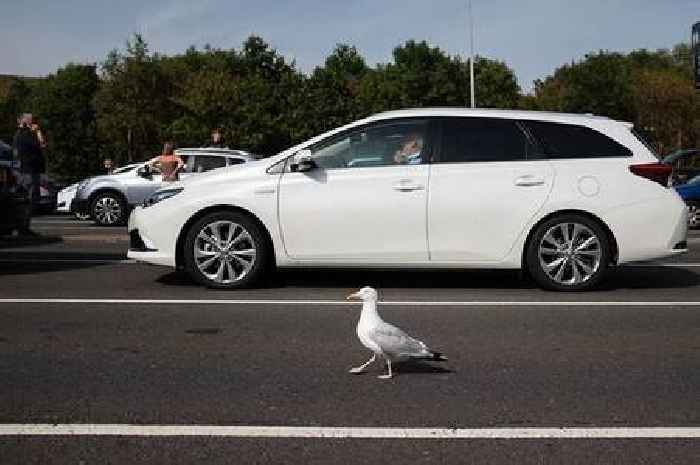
(627, 356)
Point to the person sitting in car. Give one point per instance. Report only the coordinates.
(167, 163)
(410, 151)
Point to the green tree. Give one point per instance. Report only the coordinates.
(133, 104)
(423, 76)
(667, 106)
(16, 101)
(329, 96)
(64, 106)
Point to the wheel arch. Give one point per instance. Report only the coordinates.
(110, 190)
(610, 236)
(182, 236)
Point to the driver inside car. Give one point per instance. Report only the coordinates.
(410, 151)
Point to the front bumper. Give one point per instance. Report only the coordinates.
(141, 247)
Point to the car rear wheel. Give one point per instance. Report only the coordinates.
(569, 253)
(108, 209)
(226, 250)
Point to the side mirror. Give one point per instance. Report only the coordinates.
(303, 162)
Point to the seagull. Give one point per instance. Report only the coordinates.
(386, 340)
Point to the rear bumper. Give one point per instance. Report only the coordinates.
(653, 230)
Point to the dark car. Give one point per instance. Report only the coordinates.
(14, 201)
(690, 192)
(48, 191)
(685, 163)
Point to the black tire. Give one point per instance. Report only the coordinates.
(256, 240)
(109, 209)
(536, 266)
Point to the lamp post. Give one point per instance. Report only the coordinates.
(471, 55)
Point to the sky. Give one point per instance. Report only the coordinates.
(533, 37)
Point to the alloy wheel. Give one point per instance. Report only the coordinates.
(108, 210)
(570, 253)
(224, 252)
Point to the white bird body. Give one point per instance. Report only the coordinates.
(386, 340)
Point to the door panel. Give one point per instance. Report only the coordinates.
(355, 214)
(365, 200)
(485, 186)
(478, 210)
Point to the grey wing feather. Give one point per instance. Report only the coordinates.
(394, 341)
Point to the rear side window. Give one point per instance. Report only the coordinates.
(571, 141)
(205, 163)
(471, 139)
(235, 161)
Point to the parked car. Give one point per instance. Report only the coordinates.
(109, 198)
(563, 196)
(47, 191)
(66, 195)
(690, 193)
(15, 208)
(685, 163)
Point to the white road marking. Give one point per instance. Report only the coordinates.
(410, 303)
(348, 432)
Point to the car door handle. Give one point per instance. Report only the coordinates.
(406, 185)
(528, 180)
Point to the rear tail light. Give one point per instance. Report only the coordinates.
(657, 172)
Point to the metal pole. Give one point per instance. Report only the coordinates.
(471, 55)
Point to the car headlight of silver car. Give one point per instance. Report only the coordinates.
(160, 195)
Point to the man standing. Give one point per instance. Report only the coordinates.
(27, 149)
(216, 140)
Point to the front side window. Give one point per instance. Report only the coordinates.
(383, 144)
(206, 162)
(572, 141)
(472, 139)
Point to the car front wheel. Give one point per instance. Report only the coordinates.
(108, 209)
(226, 250)
(568, 253)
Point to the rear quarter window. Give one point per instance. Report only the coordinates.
(561, 141)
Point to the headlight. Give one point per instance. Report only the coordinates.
(161, 195)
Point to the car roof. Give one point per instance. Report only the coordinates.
(217, 152)
(576, 118)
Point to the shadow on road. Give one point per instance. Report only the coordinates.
(34, 262)
(7, 242)
(642, 277)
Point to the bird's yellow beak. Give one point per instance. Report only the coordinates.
(353, 296)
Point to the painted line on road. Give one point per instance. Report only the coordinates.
(348, 432)
(410, 303)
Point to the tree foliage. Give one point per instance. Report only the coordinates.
(64, 103)
(652, 89)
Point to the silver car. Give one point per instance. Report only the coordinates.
(108, 199)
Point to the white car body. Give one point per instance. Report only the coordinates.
(449, 215)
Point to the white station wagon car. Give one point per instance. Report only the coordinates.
(563, 196)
